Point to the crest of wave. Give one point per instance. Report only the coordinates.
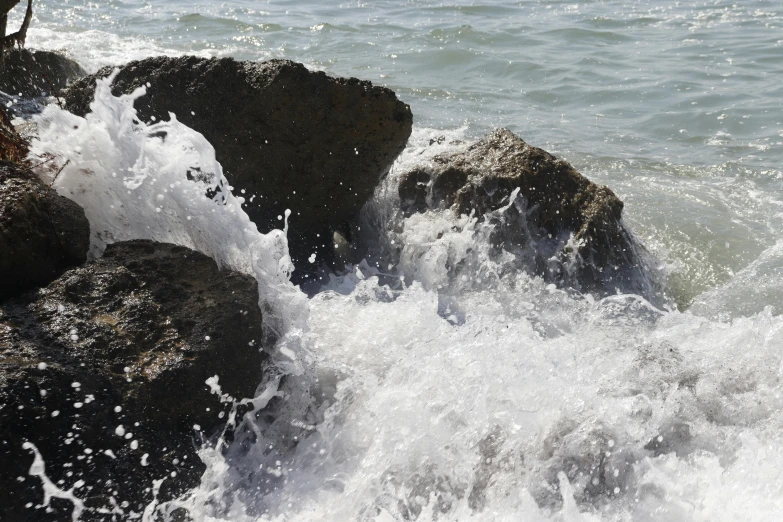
(161, 182)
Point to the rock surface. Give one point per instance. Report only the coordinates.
(572, 226)
(287, 138)
(31, 73)
(118, 351)
(5, 8)
(41, 232)
(7, 5)
(13, 147)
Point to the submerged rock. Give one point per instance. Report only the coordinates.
(287, 138)
(105, 372)
(561, 225)
(30, 74)
(41, 232)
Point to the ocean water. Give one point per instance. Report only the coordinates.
(496, 396)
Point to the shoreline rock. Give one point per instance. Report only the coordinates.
(287, 137)
(562, 226)
(116, 351)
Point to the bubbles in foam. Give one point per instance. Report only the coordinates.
(496, 396)
(507, 398)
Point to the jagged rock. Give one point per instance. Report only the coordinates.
(287, 138)
(127, 340)
(41, 232)
(30, 74)
(572, 226)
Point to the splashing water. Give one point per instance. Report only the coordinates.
(161, 182)
(50, 489)
(504, 399)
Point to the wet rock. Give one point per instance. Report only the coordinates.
(287, 138)
(573, 226)
(13, 147)
(413, 191)
(30, 74)
(105, 372)
(41, 233)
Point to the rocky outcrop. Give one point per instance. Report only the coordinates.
(41, 232)
(104, 371)
(287, 138)
(30, 74)
(565, 227)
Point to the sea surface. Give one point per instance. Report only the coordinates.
(516, 400)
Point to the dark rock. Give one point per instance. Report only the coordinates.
(31, 73)
(290, 138)
(141, 328)
(413, 191)
(41, 232)
(7, 5)
(13, 147)
(5, 8)
(573, 226)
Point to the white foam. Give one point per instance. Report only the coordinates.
(132, 179)
(94, 48)
(508, 399)
(511, 399)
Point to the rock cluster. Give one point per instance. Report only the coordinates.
(287, 137)
(108, 367)
(104, 370)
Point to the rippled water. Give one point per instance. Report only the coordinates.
(500, 413)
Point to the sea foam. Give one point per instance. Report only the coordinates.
(428, 398)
